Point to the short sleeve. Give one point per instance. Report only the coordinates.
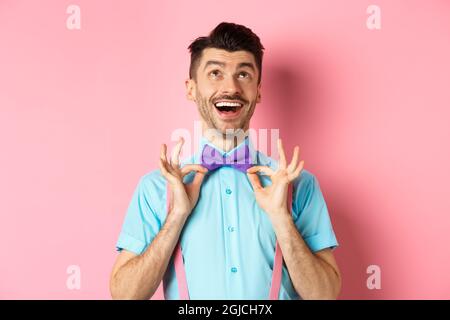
(142, 223)
(311, 215)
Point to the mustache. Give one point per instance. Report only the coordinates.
(235, 98)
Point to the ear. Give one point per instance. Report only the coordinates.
(258, 94)
(190, 89)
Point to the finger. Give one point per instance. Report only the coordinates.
(254, 181)
(198, 179)
(264, 169)
(164, 171)
(281, 155)
(192, 167)
(175, 160)
(297, 171)
(294, 160)
(163, 156)
(195, 185)
(163, 151)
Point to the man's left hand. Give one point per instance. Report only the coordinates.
(273, 199)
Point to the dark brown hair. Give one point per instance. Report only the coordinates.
(230, 37)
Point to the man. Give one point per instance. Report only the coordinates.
(228, 218)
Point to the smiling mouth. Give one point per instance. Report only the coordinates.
(228, 107)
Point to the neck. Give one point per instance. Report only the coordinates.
(225, 141)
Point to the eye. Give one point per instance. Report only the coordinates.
(214, 73)
(244, 75)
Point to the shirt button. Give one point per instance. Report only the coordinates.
(231, 229)
(228, 191)
(234, 269)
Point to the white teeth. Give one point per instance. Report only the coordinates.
(228, 104)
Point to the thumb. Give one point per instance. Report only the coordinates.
(254, 181)
(197, 182)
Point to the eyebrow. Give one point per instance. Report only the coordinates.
(222, 64)
(246, 64)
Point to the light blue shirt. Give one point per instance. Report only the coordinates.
(228, 241)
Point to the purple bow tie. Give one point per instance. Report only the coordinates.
(239, 159)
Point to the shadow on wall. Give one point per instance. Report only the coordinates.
(293, 100)
(353, 254)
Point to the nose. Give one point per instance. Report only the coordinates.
(231, 86)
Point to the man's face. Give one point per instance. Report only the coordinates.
(226, 89)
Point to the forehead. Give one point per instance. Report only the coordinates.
(229, 58)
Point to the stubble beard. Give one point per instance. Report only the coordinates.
(208, 115)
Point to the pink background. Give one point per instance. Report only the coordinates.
(83, 112)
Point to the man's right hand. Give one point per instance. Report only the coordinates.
(138, 276)
(183, 197)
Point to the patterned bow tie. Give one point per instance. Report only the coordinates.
(239, 159)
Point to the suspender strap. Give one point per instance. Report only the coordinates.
(181, 275)
(278, 260)
(178, 261)
(276, 273)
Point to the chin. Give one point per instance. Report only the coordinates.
(222, 126)
(231, 129)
